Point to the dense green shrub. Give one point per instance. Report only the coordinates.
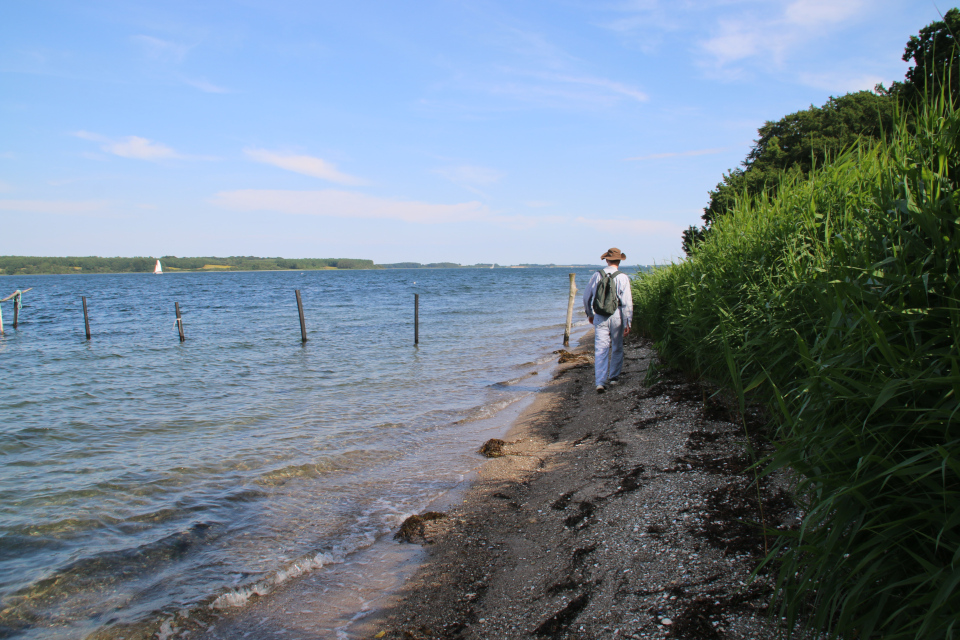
(838, 303)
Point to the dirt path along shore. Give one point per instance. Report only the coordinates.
(616, 515)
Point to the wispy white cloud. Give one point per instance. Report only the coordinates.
(537, 71)
(133, 147)
(470, 177)
(307, 165)
(739, 39)
(731, 36)
(60, 207)
(551, 65)
(679, 154)
(346, 204)
(161, 50)
(563, 90)
(817, 13)
(645, 22)
(205, 86)
(769, 36)
(840, 82)
(612, 86)
(140, 149)
(632, 226)
(171, 55)
(535, 47)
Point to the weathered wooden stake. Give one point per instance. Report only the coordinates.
(573, 295)
(176, 305)
(86, 318)
(416, 318)
(303, 324)
(15, 296)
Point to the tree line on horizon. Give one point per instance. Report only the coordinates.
(797, 143)
(28, 265)
(45, 265)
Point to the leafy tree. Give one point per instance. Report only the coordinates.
(800, 141)
(935, 61)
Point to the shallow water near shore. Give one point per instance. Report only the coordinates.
(143, 476)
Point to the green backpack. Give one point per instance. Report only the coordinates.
(606, 300)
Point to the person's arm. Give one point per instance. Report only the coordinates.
(588, 296)
(625, 293)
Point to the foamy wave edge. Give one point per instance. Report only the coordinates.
(486, 411)
(239, 597)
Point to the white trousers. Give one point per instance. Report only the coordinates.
(607, 346)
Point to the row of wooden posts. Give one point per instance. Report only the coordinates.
(303, 322)
(176, 306)
(16, 297)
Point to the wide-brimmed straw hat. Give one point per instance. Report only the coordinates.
(613, 254)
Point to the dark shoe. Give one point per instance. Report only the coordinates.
(601, 388)
(612, 382)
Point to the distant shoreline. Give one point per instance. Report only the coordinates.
(35, 265)
(376, 268)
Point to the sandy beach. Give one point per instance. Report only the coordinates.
(616, 515)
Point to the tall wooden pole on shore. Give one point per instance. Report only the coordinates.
(176, 305)
(416, 318)
(303, 323)
(86, 318)
(573, 295)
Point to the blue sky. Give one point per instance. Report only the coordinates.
(464, 131)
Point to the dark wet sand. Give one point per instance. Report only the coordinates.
(613, 516)
(610, 516)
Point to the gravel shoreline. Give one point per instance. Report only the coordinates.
(616, 515)
(626, 514)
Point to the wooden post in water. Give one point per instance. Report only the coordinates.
(176, 305)
(416, 318)
(86, 318)
(16, 297)
(573, 295)
(303, 324)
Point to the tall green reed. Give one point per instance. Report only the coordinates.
(842, 293)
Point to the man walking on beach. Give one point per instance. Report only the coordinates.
(608, 302)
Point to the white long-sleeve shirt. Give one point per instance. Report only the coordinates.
(624, 293)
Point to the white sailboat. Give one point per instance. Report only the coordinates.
(158, 270)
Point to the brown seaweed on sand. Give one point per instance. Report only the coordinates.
(572, 358)
(414, 528)
(493, 448)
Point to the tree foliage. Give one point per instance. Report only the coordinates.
(794, 145)
(936, 64)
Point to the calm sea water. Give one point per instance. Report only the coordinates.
(141, 476)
